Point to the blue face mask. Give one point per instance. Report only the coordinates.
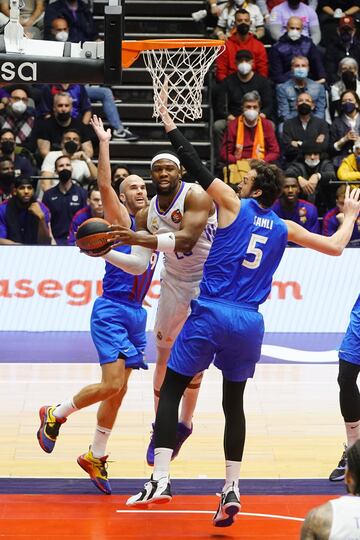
(301, 72)
(358, 160)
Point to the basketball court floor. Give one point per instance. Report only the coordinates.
(294, 439)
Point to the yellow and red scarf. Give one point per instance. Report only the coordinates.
(258, 149)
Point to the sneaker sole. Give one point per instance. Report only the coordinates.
(42, 415)
(231, 509)
(338, 478)
(162, 499)
(86, 467)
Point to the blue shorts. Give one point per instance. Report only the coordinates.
(118, 330)
(228, 335)
(350, 346)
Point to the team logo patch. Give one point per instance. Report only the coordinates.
(176, 216)
(154, 224)
(75, 198)
(159, 336)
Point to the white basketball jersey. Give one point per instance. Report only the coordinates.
(346, 518)
(186, 266)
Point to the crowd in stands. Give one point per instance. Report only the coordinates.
(287, 91)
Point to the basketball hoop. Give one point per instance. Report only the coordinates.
(182, 64)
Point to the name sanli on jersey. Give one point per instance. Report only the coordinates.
(265, 223)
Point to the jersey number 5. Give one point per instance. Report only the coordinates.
(256, 251)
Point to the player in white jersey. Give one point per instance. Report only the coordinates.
(338, 519)
(182, 221)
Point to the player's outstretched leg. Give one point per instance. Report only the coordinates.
(96, 469)
(49, 428)
(228, 507)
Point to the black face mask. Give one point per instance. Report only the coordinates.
(346, 35)
(63, 116)
(7, 147)
(243, 29)
(349, 79)
(71, 147)
(64, 175)
(6, 180)
(293, 4)
(348, 107)
(304, 108)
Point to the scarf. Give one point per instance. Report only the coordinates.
(258, 149)
(28, 234)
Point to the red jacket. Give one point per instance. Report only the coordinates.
(226, 64)
(272, 150)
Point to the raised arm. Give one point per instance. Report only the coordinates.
(114, 211)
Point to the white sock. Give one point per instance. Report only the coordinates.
(232, 473)
(65, 409)
(100, 440)
(162, 462)
(352, 432)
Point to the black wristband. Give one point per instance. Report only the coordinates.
(190, 159)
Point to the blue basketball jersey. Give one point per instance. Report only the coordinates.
(350, 346)
(121, 286)
(244, 256)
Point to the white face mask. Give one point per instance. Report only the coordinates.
(294, 34)
(19, 107)
(312, 162)
(251, 115)
(62, 36)
(244, 68)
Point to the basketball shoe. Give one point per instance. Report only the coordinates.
(182, 434)
(338, 474)
(96, 469)
(49, 428)
(155, 491)
(229, 506)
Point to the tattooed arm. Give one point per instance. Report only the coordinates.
(317, 524)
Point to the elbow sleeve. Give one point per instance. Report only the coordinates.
(135, 262)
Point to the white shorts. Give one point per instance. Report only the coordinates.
(173, 308)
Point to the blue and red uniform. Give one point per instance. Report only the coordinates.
(331, 225)
(304, 213)
(78, 218)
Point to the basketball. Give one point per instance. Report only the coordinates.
(92, 238)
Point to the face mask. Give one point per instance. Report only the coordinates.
(346, 35)
(7, 147)
(348, 78)
(304, 109)
(348, 108)
(312, 162)
(63, 116)
(243, 29)
(244, 68)
(71, 147)
(294, 34)
(19, 107)
(64, 175)
(301, 72)
(293, 4)
(62, 36)
(251, 114)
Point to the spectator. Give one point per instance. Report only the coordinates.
(291, 44)
(349, 169)
(59, 30)
(50, 131)
(281, 13)
(21, 157)
(7, 178)
(330, 11)
(345, 129)
(81, 106)
(83, 169)
(226, 20)
(305, 126)
(241, 39)
(289, 206)
(119, 173)
(93, 209)
(314, 172)
(250, 136)
(338, 518)
(19, 116)
(78, 16)
(349, 80)
(299, 83)
(343, 43)
(64, 200)
(23, 219)
(31, 16)
(334, 218)
(229, 94)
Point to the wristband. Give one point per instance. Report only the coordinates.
(166, 242)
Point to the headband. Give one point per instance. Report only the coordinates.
(165, 155)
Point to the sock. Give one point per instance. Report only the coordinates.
(162, 462)
(352, 432)
(100, 440)
(65, 409)
(232, 473)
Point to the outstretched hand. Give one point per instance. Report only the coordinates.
(98, 126)
(120, 235)
(352, 202)
(163, 106)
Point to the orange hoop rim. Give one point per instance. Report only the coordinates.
(132, 49)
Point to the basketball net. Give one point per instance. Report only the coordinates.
(184, 70)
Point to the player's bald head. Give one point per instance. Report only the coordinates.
(132, 179)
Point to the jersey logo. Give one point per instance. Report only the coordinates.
(302, 214)
(154, 224)
(176, 216)
(75, 198)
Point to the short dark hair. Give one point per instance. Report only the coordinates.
(116, 167)
(58, 159)
(353, 464)
(353, 93)
(6, 158)
(269, 179)
(242, 11)
(7, 130)
(92, 187)
(71, 130)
